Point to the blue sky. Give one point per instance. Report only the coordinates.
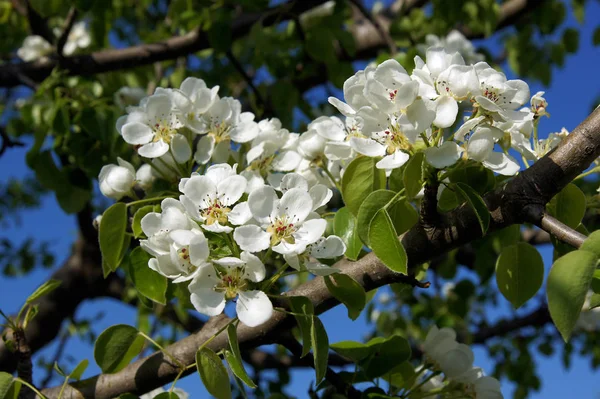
(570, 97)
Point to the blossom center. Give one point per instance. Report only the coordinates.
(232, 283)
(282, 229)
(184, 258)
(220, 131)
(491, 93)
(216, 212)
(393, 94)
(163, 131)
(395, 140)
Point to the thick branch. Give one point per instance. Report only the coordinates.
(81, 278)
(508, 204)
(116, 59)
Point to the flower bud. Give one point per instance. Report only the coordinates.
(116, 180)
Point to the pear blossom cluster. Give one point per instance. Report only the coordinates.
(443, 354)
(35, 47)
(248, 197)
(392, 114)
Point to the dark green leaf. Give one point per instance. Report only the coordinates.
(301, 305)
(116, 347)
(346, 290)
(79, 370)
(568, 206)
(112, 234)
(345, 227)
(596, 38)
(234, 358)
(568, 283)
(571, 40)
(476, 203)
(413, 175)
(213, 373)
(6, 381)
(386, 355)
(44, 289)
(320, 347)
(136, 225)
(385, 243)
(519, 273)
(148, 282)
(360, 179)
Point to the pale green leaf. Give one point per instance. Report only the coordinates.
(360, 179)
(213, 374)
(345, 227)
(346, 290)
(234, 358)
(112, 234)
(385, 243)
(148, 282)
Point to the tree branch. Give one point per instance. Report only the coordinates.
(37, 24)
(374, 20)
(116, 59)
(561, 231)
(508, 204)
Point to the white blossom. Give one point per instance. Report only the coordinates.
(116, 181)
(33, 48)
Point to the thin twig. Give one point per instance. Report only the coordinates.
(8, 142)
(561, 231)
(240, 68)
(24, 366)
(38, 24)
(385, 35)
(57, 356)
(342, 387)
(67, 26)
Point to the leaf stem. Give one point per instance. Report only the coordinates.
(163, 350)
(147, 200)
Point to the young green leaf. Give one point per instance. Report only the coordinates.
(167, 395)
(148, 282)
(112, 234)
(385, 243)
(234, 358)
(347, 291)
(6, 381)
(370, 206)
(568, 283)
(345, 227)
(301, 305)
(355, 351)
(360, 179)
(519, 273)
(116, 347)
(213, 374)
(477, 203)
(42, 290)
(320, 347)
(413, 175)
(592, 243)
(79, 370)
(568, 206)
(136, 224)
(386, 355)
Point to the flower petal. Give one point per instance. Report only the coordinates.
(252, 238)
(230, 190)
(295, 203)
(153, 150)
(137, 133)
(443, 156)
(240, 214)
(446, 111)
(254, 270)
(262, 203)
(180, 148)
(254, 308)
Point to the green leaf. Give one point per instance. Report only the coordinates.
(84, 5)
(320, 44)
(413, 175)
(42, 290)
(355, 351)
(79, 369)
(592, 243)
(148, 282)
(213, 374)
(320, 347)
(301, 305)
(116, 347)
(595, 285)
(136, 225)
(360, 179)
(519, 273)
(568, 206)
(596, 37)
(476, 203)
(234, 358)
(166, 395)
(568, 283)
(219, 35)
(346, 290)
(385, 243)
(345, 227)
(112, 234)
(386, 355)
(6, 381)
(402, 214)
(571, 40)
(594, 301)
